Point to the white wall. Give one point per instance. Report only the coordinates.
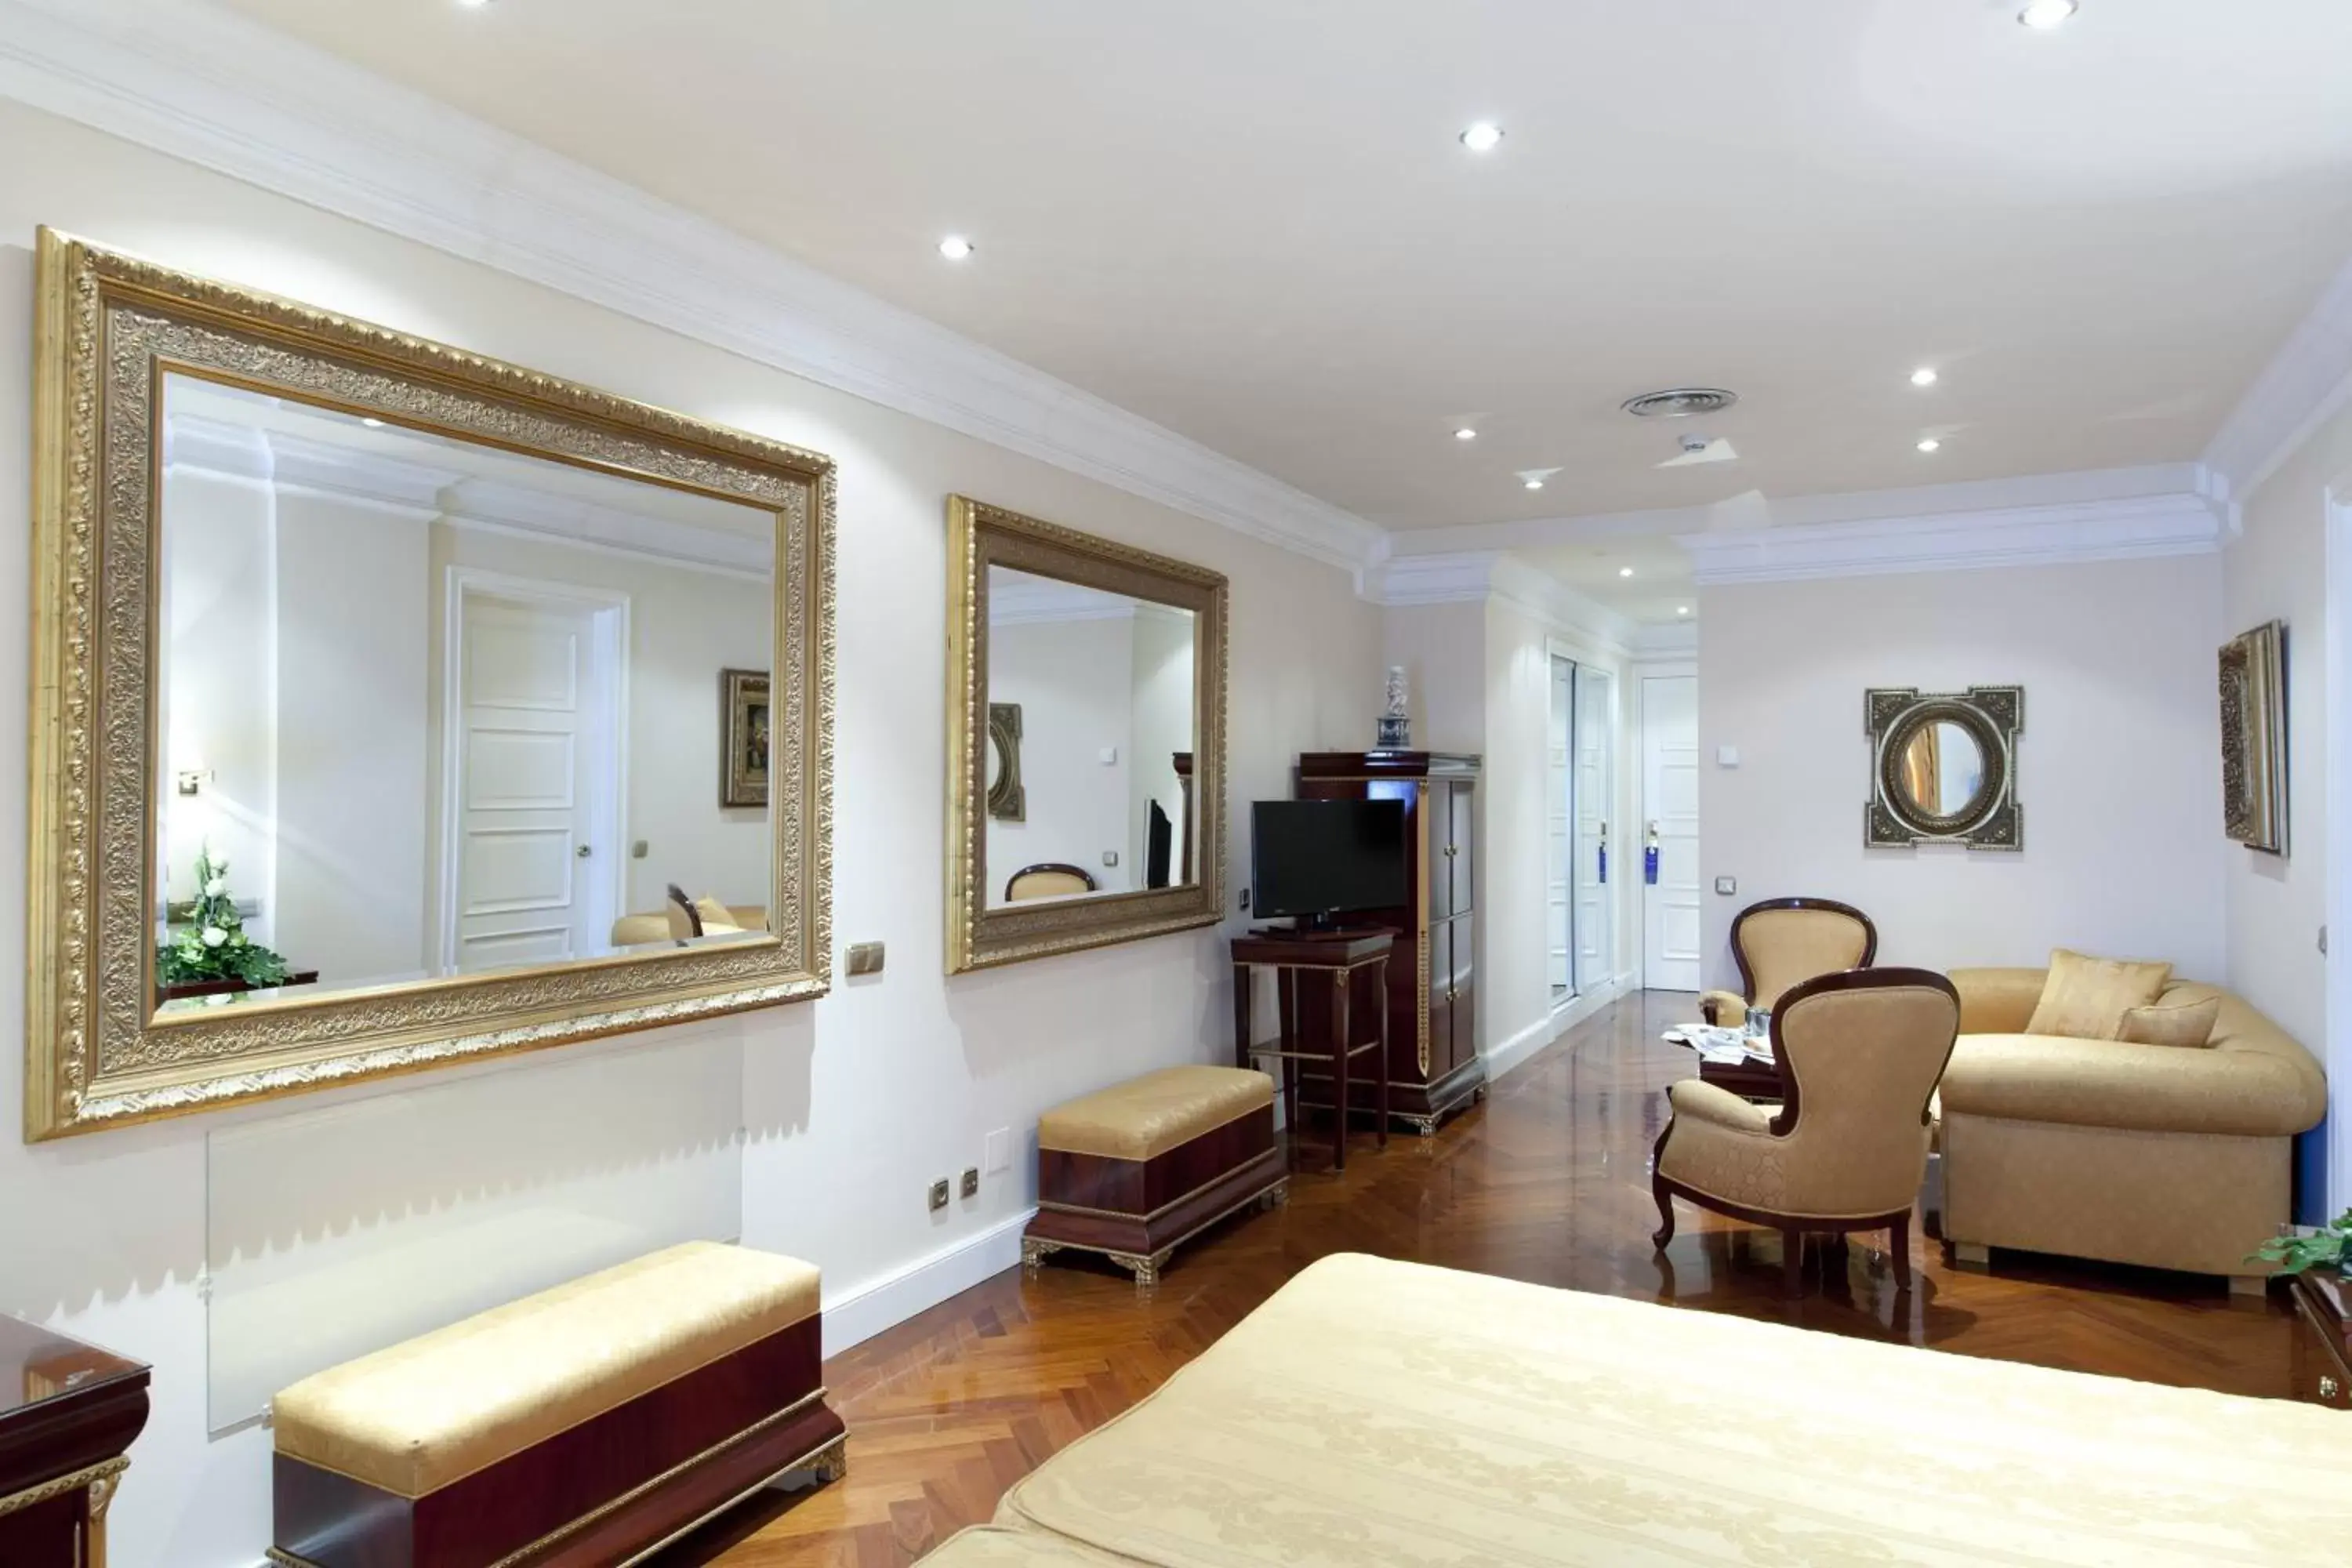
(2279, 569)
(2118, 770)
(221, 682)
(853, 1104)
(353, 596)
(1074, 682)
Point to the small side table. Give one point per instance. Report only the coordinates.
(2323, 1337)
(1293, 956)
(68, 1411)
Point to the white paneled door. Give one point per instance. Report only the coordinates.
(1559, 841)
(1670, 907)
(534, 787)
(1596, 943)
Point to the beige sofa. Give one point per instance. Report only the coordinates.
(2168, 1156)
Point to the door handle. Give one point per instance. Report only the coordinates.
(585, 851)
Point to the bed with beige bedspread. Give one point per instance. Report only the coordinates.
(1377, 1413)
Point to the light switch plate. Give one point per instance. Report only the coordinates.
(1110, 857)
(1726, 756)
(1726, 886)
(998, 1154)
(864, 958)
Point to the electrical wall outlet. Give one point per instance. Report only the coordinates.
(969, 1186)
(938, 1194)
(998, 1153)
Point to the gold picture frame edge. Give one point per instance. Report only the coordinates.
(980, 938)
(75, 283)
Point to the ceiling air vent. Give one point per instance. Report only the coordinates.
(1680, 403)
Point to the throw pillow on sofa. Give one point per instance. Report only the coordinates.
(2086, 999)
(2187, 1021)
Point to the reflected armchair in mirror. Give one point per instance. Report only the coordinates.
(1050, 880)
(1780, 943)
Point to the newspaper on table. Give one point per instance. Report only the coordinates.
(1723, 1046)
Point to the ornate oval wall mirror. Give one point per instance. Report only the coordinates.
(1085, 741)
(395, 707)
(1944, 767)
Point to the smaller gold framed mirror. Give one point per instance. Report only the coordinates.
(1086, 741)
(1944, 767)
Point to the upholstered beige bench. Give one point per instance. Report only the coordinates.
(584, 1425)
(1138, 1169)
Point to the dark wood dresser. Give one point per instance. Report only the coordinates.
(68, 1411)
(1433, 1064)
(2323, 1337)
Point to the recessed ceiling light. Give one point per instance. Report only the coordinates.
(372, 423)
(2046, 13)
(473, 5)
(1625, 571)
(1465, 434)
(955, 248)
(1534, 484)
(1682, 609)
(1483, 137)
(1924, 377)
(1930, 445)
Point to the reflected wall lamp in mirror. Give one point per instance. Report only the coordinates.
(403, 602)
(1944, 767)
(1111, 661)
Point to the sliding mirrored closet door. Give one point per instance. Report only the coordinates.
(1582, 861)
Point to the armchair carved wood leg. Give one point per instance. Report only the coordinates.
(1899, 1242)
(1665, 1231)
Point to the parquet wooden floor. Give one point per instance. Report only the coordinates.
(1548, 1182)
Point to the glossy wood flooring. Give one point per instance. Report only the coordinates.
(1548, 1181)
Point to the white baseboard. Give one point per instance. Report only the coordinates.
(1509, 1054)
(859, 1314)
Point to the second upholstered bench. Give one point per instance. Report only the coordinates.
(1138, 1168)
(581, 1426)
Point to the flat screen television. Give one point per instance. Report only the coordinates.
(1315, 859)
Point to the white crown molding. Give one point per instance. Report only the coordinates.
(2184, 523)
(1036, 601)
(224, 92)
(2304, 384)
(1474, 576)
(502, 506)
(1753, 509)
(1678, 641)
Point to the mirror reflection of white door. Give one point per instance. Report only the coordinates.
(1560, 840)
(536, 789)
(1596, 944)
(1670, 908)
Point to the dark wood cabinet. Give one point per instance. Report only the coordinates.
(1434, 1068)
(68, 1411)
(2323, 1339)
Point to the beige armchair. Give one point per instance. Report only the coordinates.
(1783, 942)
(1860, 1055)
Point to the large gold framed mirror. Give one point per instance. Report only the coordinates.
(378, 719)
(1086, 741)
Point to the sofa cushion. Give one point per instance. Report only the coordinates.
(2086, 999)
(2184, 1016)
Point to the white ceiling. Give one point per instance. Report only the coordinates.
(1253, 223)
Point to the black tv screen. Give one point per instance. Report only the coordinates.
(1312, 858)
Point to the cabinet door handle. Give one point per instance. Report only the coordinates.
(2329, 1388)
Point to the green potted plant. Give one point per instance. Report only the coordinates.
(2305, 1247)
(212, 948)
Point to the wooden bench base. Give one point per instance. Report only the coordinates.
(1136, 1211)
(609, 1490)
